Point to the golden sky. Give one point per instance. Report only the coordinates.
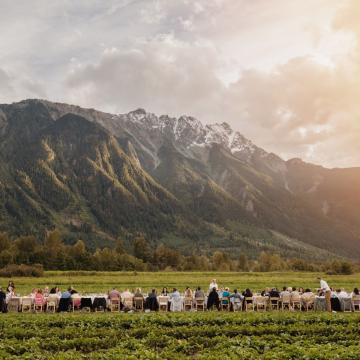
(285, 73)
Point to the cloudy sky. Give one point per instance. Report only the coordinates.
(284, 73)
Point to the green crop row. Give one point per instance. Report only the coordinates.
(210, 335)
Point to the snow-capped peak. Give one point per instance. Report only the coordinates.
(188, 131)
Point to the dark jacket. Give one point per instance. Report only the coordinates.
(213, 299)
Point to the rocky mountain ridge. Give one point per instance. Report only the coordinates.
(192, 186)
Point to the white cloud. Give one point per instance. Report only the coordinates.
(282, 72)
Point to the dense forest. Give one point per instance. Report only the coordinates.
(26, 255)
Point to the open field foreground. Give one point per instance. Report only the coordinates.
(209, 335)
(94, 282)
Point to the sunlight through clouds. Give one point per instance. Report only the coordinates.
(284, 73)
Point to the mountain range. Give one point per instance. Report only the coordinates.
(194, 187)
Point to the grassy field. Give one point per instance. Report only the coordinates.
(210, 335)
(90, 282)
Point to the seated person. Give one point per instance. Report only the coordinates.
(76, 300)
(126, 294)
(295, 293)
(188, 293)
(11, 287)
(2, 300)
(176, 301)
(236, 298)
(175, 294)
(164, 292)
(66, 294)
(138, 293)
(285, 292)
(199, 294)
(39, 297)
(151, 302)
(307, 294)
(274, 293)
(236, 295)
(341, 293)
(355, 292)
(247, 293)
(72, 290)
(225, 296)
(46, 291)
(53, 290)
(213, 299)
(33, 293)
(114, 294)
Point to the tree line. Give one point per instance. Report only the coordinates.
(53, 254)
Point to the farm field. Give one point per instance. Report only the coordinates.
(93, 282)
(210, 335)
(191, 335)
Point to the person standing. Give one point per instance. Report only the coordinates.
(325, 288)
(212, 285)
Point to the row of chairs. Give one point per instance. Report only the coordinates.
(274, 303)
(290, 303)
(188, 304)
(137, 304)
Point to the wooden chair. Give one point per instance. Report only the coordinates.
(51, 306)
(296, 302)
(128, 302)
(75, 303)
(261, 303)
(38, 305)
(347, 304)
(188, 303)
(99, 304)
(225, 303)
(139, 303)
(274, 303)
(115, 304)
(51, 303)
(86, 304)
(163, 303)
(13, 305)
(237, 304)
(286, 302)
(249, 304)
(308, 302)
(200, 304)
(355, 302)
(27, 305)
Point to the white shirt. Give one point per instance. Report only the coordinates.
(324, 285)
(126, 294)
(342, 294)
(213, 285)
(175, 295)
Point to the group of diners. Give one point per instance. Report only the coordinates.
(215, 297)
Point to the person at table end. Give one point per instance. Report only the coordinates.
(213, 284)
(325, 288)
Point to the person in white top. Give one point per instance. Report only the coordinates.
(341, 293)
(213, 284)
(324, 286)
(126, 294)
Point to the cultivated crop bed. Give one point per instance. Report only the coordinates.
(176, 336)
